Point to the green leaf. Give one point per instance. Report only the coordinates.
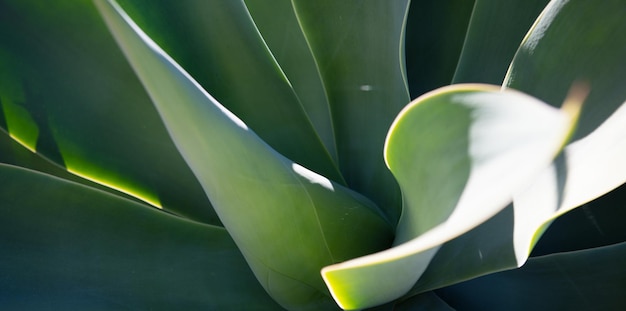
(12, 152)
(571, 41)
(358, 47)
(495, 32)
(587, 168)
(592, 279)
(574, 41)
(70, 247)
(219, 44)
(553, 55)
(67, 93)
(435, 31)
(287, 220)
(459, 154)
(285, 39)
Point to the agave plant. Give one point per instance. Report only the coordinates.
(266, 155)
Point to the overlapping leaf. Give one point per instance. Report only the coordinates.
(67, 93)
(358, 47)
(553, 55)
(287, 220)
(254, 86)
(459, 154)
(495, 32)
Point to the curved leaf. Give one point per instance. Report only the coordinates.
(459, 154)
(287, 220)
(219, 44)
(587, 168)
(581, 173)
(71, 247)
(575, 40)
(358, 47)
(67, 93)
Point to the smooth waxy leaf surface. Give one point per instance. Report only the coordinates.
(586, 169)
(459, 154)
(287, 220)
(227, 55)
(67, 93)
(574, 41)
(358, 47)
(555, 52)
(71, 247)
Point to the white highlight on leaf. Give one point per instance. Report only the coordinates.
(366, 88)
(313, 177)
(589, 168)
(538, 30)
(168, 61)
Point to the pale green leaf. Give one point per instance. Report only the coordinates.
(587, 168)
(218, 43)
(575, 40)
(288, 221)
(459, 154)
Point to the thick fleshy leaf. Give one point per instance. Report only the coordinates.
(67, 93)
(287, 220)
(554, 51)
(592, 279)
(358, 47)
(586, 169)
(575, 40)
(495, 32)
(459, 154)
(70, 247)
(218, 43)
(580, 174)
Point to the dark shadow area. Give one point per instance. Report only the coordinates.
(431, 58)
(597, 223)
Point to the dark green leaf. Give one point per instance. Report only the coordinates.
(592, 279)
(67, 92)
(358, 47)
(287, 220)
(495, 32)
(70, 247)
